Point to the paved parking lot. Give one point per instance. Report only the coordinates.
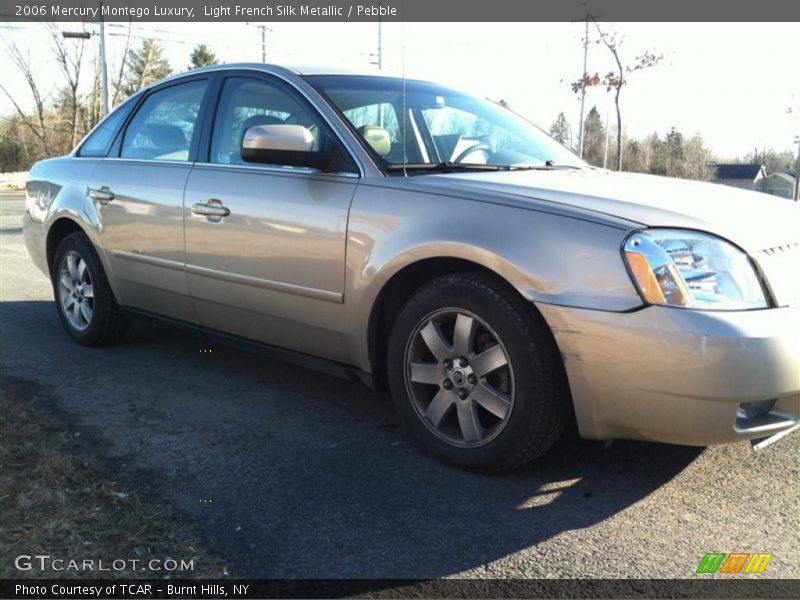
(289, 473)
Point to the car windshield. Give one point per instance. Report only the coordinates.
(442, 127)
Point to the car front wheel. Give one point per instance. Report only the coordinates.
(85, 302)
(476, 375)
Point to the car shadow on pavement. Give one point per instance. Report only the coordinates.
(294, 474)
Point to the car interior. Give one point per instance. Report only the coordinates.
(374, 115)
(162, 128)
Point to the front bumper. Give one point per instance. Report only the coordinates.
(680, 376)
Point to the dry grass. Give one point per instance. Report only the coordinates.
(56, 498)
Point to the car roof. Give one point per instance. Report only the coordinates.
(291, 68)
(286, 70)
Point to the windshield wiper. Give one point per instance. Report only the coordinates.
(444, 167)
(451, 167)
(545, 166)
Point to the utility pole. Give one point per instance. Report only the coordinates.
(797, 172)
(380, 45)
(583, 91)
(264, 30)
(103, 64)
(263, 43)
(85, 35)
(608, 128)
(376, 58)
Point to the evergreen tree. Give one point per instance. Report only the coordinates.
(561, 130)
(658, 163)
(146, 65)
(202, 56)
(675, 153)
(594, 138)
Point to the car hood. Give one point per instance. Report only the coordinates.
(752, 220)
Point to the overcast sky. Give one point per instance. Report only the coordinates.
(731, 82)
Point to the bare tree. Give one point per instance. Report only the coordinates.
(70, 61)
(23, 62)
(117, 97)
(615, 80)
(92, 113)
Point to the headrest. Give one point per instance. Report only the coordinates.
(377, 137)
(165, 136)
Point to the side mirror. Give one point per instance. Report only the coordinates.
(283, 145)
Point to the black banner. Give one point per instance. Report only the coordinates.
(74, 589)
(398, 10)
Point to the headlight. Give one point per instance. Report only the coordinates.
(692, 269)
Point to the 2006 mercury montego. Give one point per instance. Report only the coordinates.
(435, 243)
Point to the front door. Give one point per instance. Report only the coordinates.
(268, 262)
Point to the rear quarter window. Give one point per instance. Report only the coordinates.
(99, 141)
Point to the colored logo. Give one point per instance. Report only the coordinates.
(735, 562)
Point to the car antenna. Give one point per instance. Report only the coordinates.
(403, 75)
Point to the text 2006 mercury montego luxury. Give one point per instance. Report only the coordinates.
(426, 240)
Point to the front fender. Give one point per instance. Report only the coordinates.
(549, 258)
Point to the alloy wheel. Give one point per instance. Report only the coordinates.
(75, 290)
(459, 377)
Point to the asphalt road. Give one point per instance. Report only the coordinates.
(289, 473)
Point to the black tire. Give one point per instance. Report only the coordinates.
(108, 323)
(541, 406)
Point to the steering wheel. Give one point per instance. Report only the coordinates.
(479, 147)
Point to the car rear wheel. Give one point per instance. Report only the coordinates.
(86, 305)
(476, 375)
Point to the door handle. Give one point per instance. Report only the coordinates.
(103, 195)
(212, 209)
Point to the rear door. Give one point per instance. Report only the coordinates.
(273, 268)
(138, 193)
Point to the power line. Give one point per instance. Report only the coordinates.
(146, 36)
(147, 30)
(150, 37)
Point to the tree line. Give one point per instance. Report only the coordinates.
(673, 155)
(50, 122)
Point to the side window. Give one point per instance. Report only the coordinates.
(246, 102)
(382, 117)
(99, 141)
(163, 127)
